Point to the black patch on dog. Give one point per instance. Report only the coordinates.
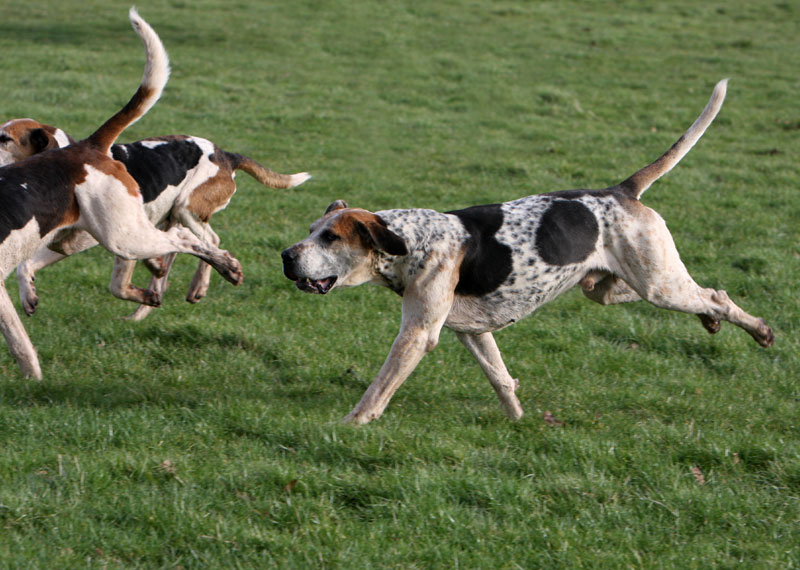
(39, 187)
(156, 168)
(567, 233)
(487, 262)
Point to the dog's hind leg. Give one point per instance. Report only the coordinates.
(18, 341)
(202, 229)
(611, 290)
(122, 288)
(658, 275)
(126, 231)
(484, 348)
(158, 285)
(202, 277)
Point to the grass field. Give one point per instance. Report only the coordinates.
(208, 436)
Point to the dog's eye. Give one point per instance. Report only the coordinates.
(328, 237)
(4, 138)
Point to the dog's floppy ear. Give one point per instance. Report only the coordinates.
(382, 237)
(337, 205)
(41, 140)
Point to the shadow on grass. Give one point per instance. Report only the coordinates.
(170, 358)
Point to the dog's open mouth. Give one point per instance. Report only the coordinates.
(320, 286)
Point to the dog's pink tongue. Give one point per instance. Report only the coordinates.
(324, 285)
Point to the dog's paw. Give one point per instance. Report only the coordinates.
(30, 302)
(232, 270)
(357, 418)
(151, 298)
(764, 335)
(196, 292)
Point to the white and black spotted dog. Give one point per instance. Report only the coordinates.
(49, 195)
(483, 268)
(183, 180)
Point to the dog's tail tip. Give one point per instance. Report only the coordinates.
(156, 74)
(298, 179)
(640, 181)
(721, 88)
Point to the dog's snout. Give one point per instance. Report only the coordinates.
(288, 255)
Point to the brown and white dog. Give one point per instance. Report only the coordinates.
(481, 269)
(182, 179)
(82, 187)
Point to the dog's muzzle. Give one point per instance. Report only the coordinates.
(320, 286)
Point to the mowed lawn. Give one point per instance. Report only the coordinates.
(209, 435)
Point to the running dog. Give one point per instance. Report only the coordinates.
(81, 187)
(183, 179)
(481, 269)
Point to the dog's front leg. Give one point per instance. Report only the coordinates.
(18, 342)
(26, 274)
(426, 304)
(484, 349)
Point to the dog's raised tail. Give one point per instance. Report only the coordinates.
(156, 73)
(643, 179)
(266, 176)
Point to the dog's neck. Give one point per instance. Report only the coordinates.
(423, 232)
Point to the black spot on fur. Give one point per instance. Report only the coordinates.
(567, 233)
(487, 262)
(39, 187)
(156, 168)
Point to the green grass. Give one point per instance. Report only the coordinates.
(209, 435)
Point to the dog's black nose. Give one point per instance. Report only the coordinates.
(288, 256)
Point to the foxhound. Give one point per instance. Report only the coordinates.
(182, 179)
(483, 268)
(48, 195)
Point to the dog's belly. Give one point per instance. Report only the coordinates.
(519, 296)
(19, 245)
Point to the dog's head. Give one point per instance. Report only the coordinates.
(340, 249)
(21, 138)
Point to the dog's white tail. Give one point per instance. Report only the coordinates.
(156, 73)
(641, 181)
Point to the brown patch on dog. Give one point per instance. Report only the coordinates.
(368, 230)
(346, 226)
(116, 169)
(212, 195)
